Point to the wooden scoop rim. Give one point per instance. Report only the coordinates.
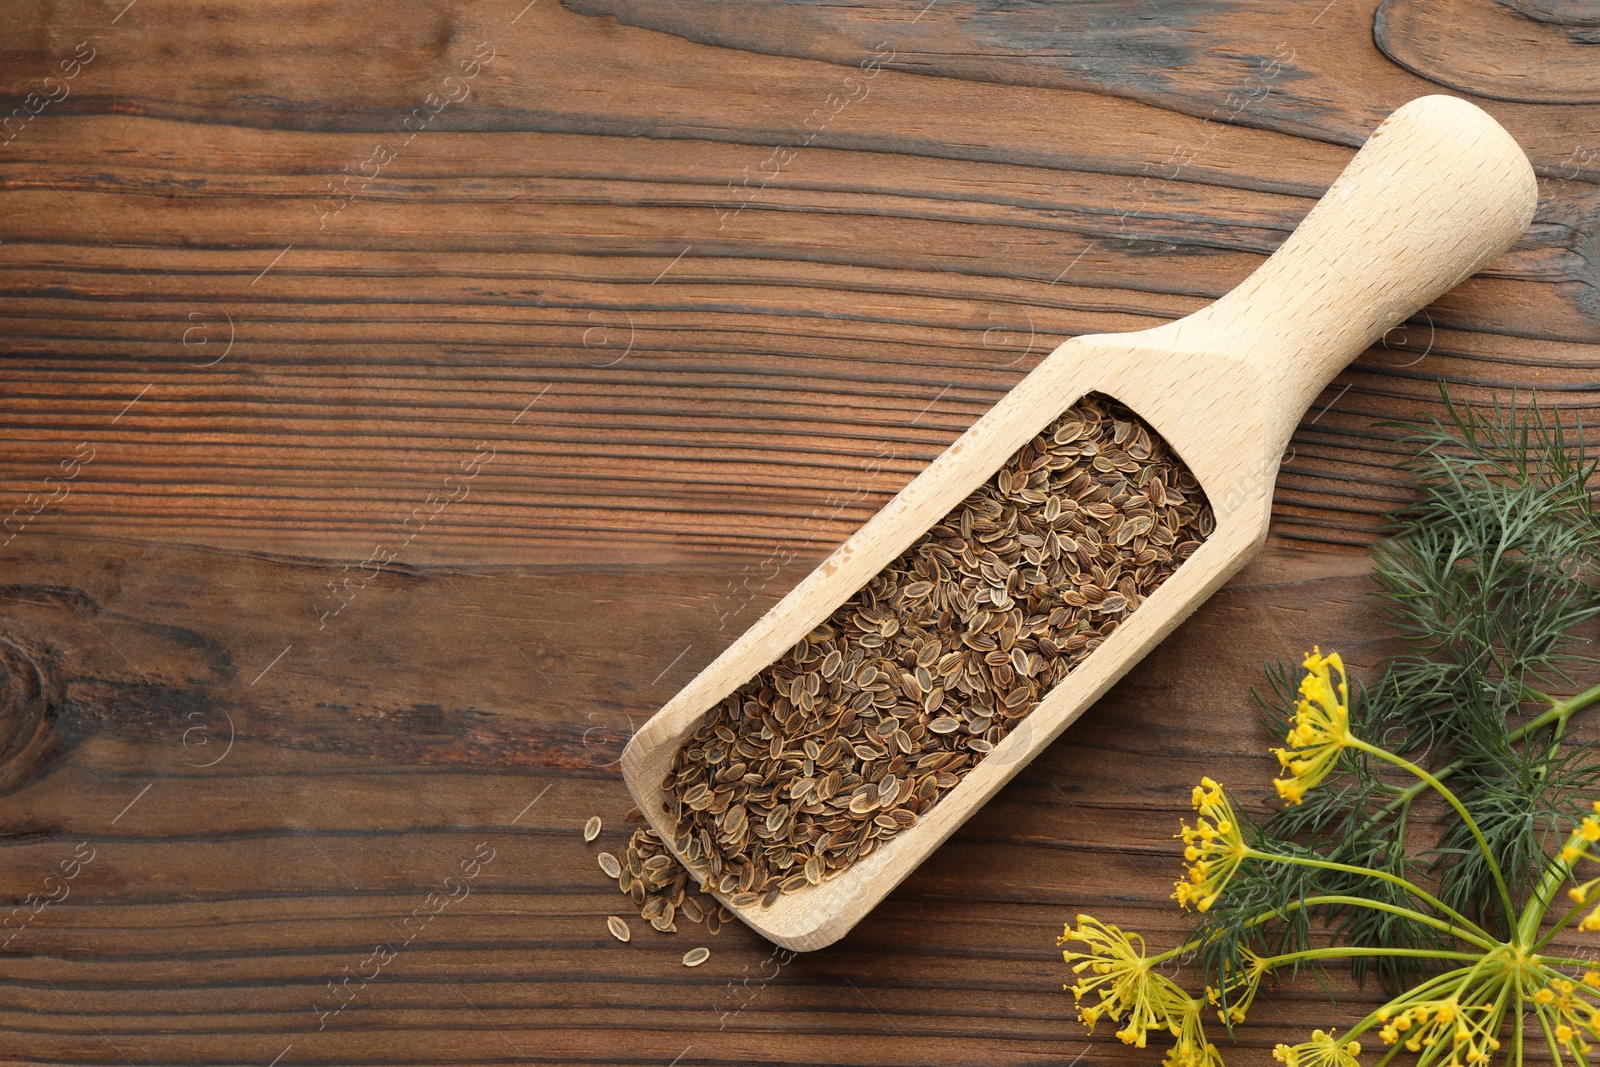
(815, 916)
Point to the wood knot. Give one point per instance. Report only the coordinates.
(1529, 51)
(31, 693)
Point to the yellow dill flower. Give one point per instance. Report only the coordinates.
(1116, 970)
(1241, 987)
(1323, 1050)
(1585, 834)
(1214, 848)
(1575, 1018)
(1576, 848)
(1590, 921)
(1321, 727)
(1460, 1027)
(1192, 1049)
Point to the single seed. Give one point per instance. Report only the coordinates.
(609, 864)
(591, 829)
(618, 928)
(696, 956)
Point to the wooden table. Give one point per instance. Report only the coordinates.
(401, 401)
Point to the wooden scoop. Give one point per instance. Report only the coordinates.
(1438, 190)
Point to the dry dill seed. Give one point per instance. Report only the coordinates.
(609, 864)
(696, 956)
(857, 731)
(618, 928)
(591, 829)
(649, 875)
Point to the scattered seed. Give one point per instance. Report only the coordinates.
(591, 829)
(618, 928)
(696, 956)
(609, 864)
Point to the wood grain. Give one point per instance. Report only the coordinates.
(682, 363)
(375, 755)
(889, 287)
(1553, 62)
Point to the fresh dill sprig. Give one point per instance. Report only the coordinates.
(1486, 576)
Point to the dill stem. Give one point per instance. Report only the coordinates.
(1309, 901)
(1567, 961)
(1516, 1026)
(1393, 1051)
(1559, 712)
(1454, 802)
(1371, 872)
(1422, 991)
(1549, 1037)
(1544, 894)
(1473, 936)
(1335, 952)
(1498, 1017)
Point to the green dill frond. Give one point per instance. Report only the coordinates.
(1236, 922)
(1508, 441)
(1523, 808)
(1491, 566)
(1375, 929)
(1485, 576)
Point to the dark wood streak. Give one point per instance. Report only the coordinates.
(1553, 62)
(1203, 60)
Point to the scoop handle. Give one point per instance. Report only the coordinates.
(1438, 191)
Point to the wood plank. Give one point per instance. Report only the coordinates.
(880, 273)
(373, 757)
(370, 761)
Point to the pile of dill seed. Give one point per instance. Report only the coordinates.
(858, 730)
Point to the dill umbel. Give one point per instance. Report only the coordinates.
(1488, 577)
